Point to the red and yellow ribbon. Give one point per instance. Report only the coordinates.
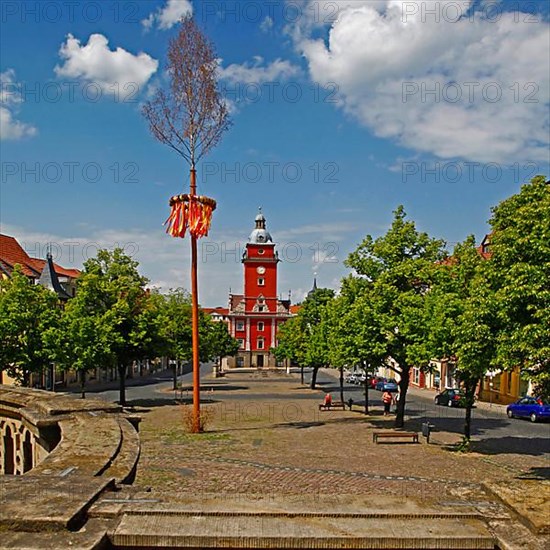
(193, 212)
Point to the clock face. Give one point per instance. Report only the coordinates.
(261, 270)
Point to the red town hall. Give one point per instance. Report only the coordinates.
(256, 315)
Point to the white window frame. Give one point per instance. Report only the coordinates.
(261, 326)
(260, 343)
(239, 326)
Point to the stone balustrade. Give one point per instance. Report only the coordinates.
(43, 433)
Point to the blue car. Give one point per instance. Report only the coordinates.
(529, 407)
(387, 385)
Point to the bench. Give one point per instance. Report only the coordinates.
(399, 435)
(334, 405)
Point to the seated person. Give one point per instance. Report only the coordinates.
(328, 400)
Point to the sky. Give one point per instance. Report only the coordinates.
(342, 110)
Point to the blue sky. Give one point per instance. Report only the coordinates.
(342, 110)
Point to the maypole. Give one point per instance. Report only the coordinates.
(190, 117)
(194, 213)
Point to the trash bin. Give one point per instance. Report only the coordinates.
(427, 430)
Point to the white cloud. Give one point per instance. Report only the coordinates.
(258, 72)
(267, 24)
(386, 59)
(166, 261)
(10, 98)
(96, 63)
(165, 18)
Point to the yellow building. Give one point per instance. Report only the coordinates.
(504, 387)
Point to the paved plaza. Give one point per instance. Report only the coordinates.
(267, 440)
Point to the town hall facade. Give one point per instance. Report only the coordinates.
(256, 315)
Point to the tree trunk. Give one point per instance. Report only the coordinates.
(470, 388)
(122, 384)
(302, 374)
(342, 384)
(82, 384)
(314, 377)
(175, 375)
(367, 396)
(403, 387)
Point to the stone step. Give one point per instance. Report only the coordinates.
(47, 503)
(193, 530)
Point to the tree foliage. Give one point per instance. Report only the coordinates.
(398, 269)
(29, 316)
(462, 319)
(119, 300)
(305, 338)
(218, 343)
(520, 246)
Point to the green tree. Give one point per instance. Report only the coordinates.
(126, 307)
(291, 342)
(176, 329)
(219, 342)
(462, 319)
(520, 246)
(86, 332)
(315, 326)
(356, 336)
(305, 337)
(398, 269)
(29, 315)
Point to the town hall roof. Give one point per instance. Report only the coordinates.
(260, 235)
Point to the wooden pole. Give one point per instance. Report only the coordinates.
(195, 318)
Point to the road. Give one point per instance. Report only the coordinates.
(141, 390)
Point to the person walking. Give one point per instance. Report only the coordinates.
(387, 400)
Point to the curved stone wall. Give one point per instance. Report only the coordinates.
(43, 433)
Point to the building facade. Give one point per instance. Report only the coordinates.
(256, 315)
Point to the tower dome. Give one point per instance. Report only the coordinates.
(260, 235)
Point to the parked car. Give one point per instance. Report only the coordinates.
(529, 407)
(351, 378)
(374, 380)
(387, 384)
(452, 397)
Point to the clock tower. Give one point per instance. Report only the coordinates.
(254, 317)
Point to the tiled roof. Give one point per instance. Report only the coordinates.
(64, 272)
(295, 309)
(11, 253)
(218, 310)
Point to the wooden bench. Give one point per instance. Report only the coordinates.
(334, 405)
(390, 435)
